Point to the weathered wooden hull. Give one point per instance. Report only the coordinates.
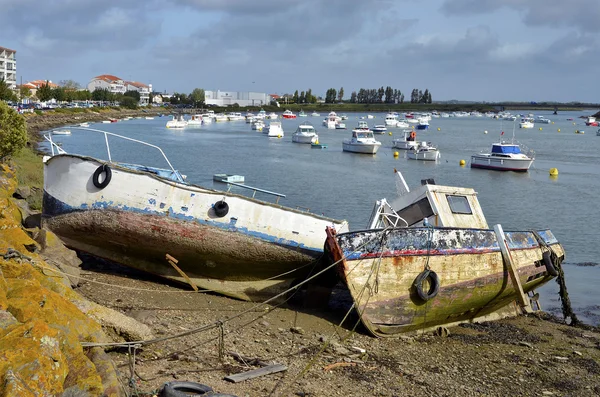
(380, 268)
(254, 251)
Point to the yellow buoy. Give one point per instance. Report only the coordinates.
(553, 171)
(540, 128)
(553, 122)
(462, 163)
(573, 123)
(439, 129)
(396, 154)
(390, 133)
(559, 130)
(317, 142)
(485, 132)
(278, 136)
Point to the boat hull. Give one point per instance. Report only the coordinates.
(360, 148)
(254, 251)
(432, 155)
(297, 138)
(380, 268)
(501, 164)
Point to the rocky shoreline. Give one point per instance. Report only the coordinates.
(57, 308)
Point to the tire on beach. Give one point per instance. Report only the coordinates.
(434, 285)
(104, 168)
(182, 389)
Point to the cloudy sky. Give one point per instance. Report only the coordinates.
(484, 50)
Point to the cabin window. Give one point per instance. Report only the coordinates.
(459, 205)
(415, 212)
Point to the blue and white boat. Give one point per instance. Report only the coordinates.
(503, 156)
(136, 215)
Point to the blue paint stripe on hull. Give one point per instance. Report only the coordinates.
(54, 207)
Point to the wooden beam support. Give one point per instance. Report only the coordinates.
(173, 262)
(522, 298)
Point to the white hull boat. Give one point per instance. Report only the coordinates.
(409, 141)
(195, 121)
(361, 142)
(305, 133)
(424, 152)
(503, 156)
(61, 132)
(273, 129)
(177, 123)
(136, 215)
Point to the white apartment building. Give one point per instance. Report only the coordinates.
(8, 67)
(119, 86)
(224, 98)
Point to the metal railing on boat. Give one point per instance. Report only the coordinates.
(254, 190)
(106, 134)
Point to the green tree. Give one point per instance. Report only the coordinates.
(133, 94)
(58, 93)
(44, 93)
(353, 97)
(341, 94)
(13, 131)
(128, 102)
(198, 96)
(6, 94)
(296, 96)
(24, 92)
(330, 95)
(101, 94)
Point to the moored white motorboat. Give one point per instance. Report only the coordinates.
(258, 125)
(331, 120)
(409, 141)
(527, 122)
(362, 127)
(220, 117)
(85, 125)
(315, 114)
(391, 119)
(273, 129)
(207, 118)
(195, 121)
(362, 141)
(543, 120)
(424, 151)
(302, 114)
(402, 123)
(379, 129)
(503, 156)
(177, 122)
(305, 133)
(235, 116)
(61, 131)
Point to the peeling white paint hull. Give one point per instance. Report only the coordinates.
(138, 218)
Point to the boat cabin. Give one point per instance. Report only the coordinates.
(505, 149)
(440, 206)
(358, 134)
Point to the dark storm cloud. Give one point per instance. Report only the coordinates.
(582, 15)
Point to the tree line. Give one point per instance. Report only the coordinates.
(377, 95)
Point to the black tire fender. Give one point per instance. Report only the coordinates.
(547, 259)
(181, 389)
(221, 208)
(104, 168)
(434, 285)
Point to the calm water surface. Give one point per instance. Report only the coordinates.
(345, 185)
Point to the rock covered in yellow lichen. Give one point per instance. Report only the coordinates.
(41, 330)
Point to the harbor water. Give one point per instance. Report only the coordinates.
(346, 185)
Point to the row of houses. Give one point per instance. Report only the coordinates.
(114, 84)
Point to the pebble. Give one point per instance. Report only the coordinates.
(297, 330)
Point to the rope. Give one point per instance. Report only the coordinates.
(214, 325)
(567, 309)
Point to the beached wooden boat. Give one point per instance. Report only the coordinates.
(135, 215)
(405, 274)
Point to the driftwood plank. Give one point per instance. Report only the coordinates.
(255, 373)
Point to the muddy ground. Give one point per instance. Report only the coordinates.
(534, 355)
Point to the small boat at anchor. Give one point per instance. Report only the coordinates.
(429, 259)
(504, 156)
(409, 141)
(305, 133)
(424, 151)
(61, 131)
(362, 141)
